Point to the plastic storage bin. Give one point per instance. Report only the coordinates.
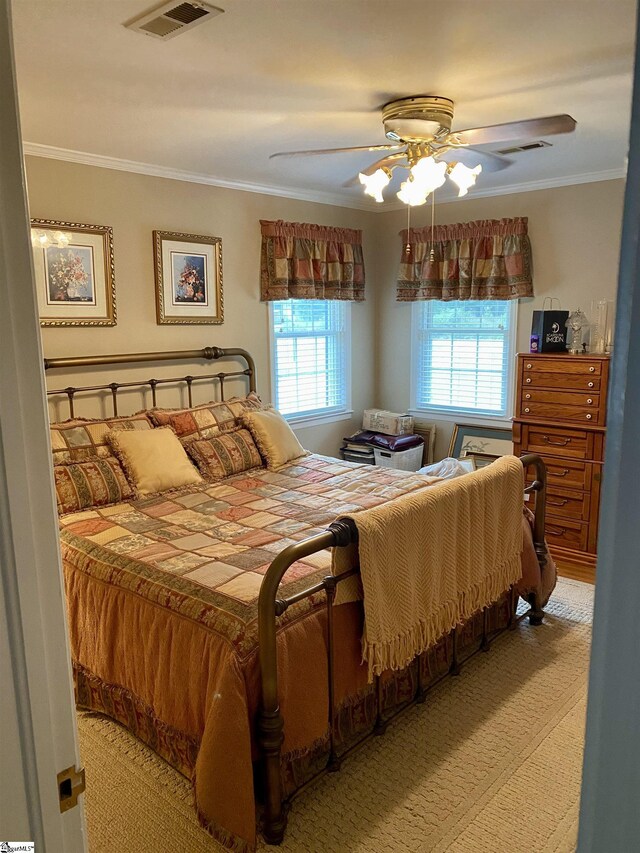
(404, 460)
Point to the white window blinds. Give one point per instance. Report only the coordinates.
(462, 356)
(310, 356)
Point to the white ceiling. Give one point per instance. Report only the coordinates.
(272, 75)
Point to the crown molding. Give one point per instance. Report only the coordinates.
(35, 149)
(525, 187)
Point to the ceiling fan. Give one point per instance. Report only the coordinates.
(419, 128)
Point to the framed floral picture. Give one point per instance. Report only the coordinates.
(188, 272)
(73, 267)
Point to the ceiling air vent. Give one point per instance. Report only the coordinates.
(528, 146)
(170, 19)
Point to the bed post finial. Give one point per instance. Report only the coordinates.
(344, 531)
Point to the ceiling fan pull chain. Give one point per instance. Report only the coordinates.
(407, 247)
(432, 252)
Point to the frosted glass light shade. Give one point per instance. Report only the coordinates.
(464, 177)
(429, 174)
(374, 184)
(412, 193)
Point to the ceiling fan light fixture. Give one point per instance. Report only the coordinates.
(374, 184)
(464, 177)
(419, 127)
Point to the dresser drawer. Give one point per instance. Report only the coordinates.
(563, 365)
(567, 533)
(569, 443)
(572, 381)
(553, 412)
(562, 398)
(568, 474)
(563, 504)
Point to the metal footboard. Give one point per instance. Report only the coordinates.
(270, 721)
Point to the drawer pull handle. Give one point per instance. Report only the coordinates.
(529, 380)
(527, 410)
(589, 416)
(561, 502)
(589, 401)
(562, 473)
(556, 531)
(592, 370)
(562, 443)
(589, 384)
(527, 396)
(528, 367)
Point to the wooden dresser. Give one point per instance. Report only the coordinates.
(561, 414)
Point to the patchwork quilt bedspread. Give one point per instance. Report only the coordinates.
(162, 599)
(203, 552)
(162, 596)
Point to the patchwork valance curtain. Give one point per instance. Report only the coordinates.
(487, 259)
(302, 261)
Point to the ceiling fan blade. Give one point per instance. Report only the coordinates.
(515, 130)
(379, 164)
(472, 157)
(334, 150)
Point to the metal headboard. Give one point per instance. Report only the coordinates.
(208, 354)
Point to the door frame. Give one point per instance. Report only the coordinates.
(609, 813)
(38, 710)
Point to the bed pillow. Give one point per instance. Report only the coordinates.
(80, 439)
(226, 454)
(83, 485)
(208, 419)
(276, 440)
(154, 461)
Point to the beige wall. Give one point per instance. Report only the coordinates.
(134, 205)
(575, 233)
(575, 236)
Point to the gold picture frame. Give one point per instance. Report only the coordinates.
(188, 277)
(74, 273)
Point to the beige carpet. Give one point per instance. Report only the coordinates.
(489, 764)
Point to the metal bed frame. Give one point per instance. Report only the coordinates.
(340, 533)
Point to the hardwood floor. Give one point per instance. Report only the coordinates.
(575, 571)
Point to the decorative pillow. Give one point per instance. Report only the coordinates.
(155, 461)
(276, 440)
(208, 419)
(223, 455)
(81, 485)
(80, 439)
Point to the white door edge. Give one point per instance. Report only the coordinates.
(37, 706)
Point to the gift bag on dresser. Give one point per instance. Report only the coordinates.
(548, 328)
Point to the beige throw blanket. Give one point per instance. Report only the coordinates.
(432, 558)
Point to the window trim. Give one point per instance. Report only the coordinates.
(318, 417)
(450, 415)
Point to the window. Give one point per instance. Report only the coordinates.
(310, 357)
(463, 355)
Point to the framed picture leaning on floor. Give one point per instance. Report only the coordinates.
(480, 442)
